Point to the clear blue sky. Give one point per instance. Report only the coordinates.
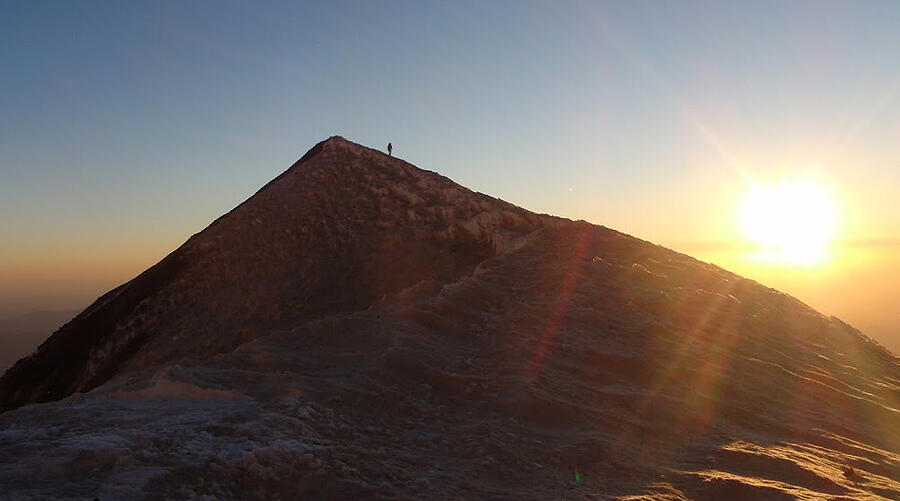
(125, 127)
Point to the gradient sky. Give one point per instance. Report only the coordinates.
(125, 128)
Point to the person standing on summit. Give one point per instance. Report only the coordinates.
(390, 149)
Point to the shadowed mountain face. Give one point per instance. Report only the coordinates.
(362, 329)
(340, 229)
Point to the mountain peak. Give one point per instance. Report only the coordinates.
(340, 229)
(340, 142)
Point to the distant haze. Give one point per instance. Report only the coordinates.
(21, 335)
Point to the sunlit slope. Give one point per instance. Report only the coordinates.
(576, 363)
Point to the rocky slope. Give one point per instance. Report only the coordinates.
(336, 232)
(362, 329)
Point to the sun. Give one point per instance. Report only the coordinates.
(791, 222)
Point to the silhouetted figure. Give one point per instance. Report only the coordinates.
(390, 149)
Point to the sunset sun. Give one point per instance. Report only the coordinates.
(790, 222)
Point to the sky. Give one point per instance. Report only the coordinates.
(125, 127)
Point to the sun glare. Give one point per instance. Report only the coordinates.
(790, 222)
